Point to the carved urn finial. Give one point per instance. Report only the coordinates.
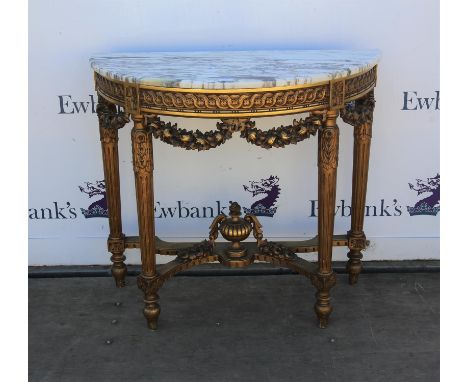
(235, 229)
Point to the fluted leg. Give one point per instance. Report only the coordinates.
(327, 165)
(109, 123)
(360, 116)
(142, 148)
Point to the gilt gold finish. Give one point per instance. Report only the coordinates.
(359, 113)
(196, 140)
(351, 97)
(235, 230)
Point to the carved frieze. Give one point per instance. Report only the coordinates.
(158, 99)
(109, 88)
(360, 84)
(234, 102)
(110, 120)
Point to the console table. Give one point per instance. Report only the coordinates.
(235, 87)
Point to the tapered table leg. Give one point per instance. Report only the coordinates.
(325, 279)
(360, 116)
(142, 148)
(109, 123)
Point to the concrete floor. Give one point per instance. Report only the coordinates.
(235, 328)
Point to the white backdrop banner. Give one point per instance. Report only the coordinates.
(65, 169)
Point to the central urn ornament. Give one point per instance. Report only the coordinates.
(236, 229)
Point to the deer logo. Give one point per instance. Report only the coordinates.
(97, 209)
(430, 205)
(266, 205)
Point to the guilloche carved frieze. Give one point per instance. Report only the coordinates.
(361, 84)
(208, 103)
(233, 102)
(109, 88)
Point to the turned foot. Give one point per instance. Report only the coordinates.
(149, 285)
(151, 313)
(119, 269)
(323, 283)
(354, 266)
(323, 308)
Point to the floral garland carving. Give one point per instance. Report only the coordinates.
(109, 118)
(189, 140)
(277, 251)
(197, 140)
(359, 112)
(283, 135)
(203, 249)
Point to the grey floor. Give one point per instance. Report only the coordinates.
(235, 328)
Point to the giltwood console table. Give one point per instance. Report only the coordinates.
(235, 87)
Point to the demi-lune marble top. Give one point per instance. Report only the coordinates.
(234, 69)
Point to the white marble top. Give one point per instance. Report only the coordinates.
(233, 69)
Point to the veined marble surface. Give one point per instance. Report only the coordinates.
(234, 69)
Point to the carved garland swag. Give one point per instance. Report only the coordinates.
(355, 113)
